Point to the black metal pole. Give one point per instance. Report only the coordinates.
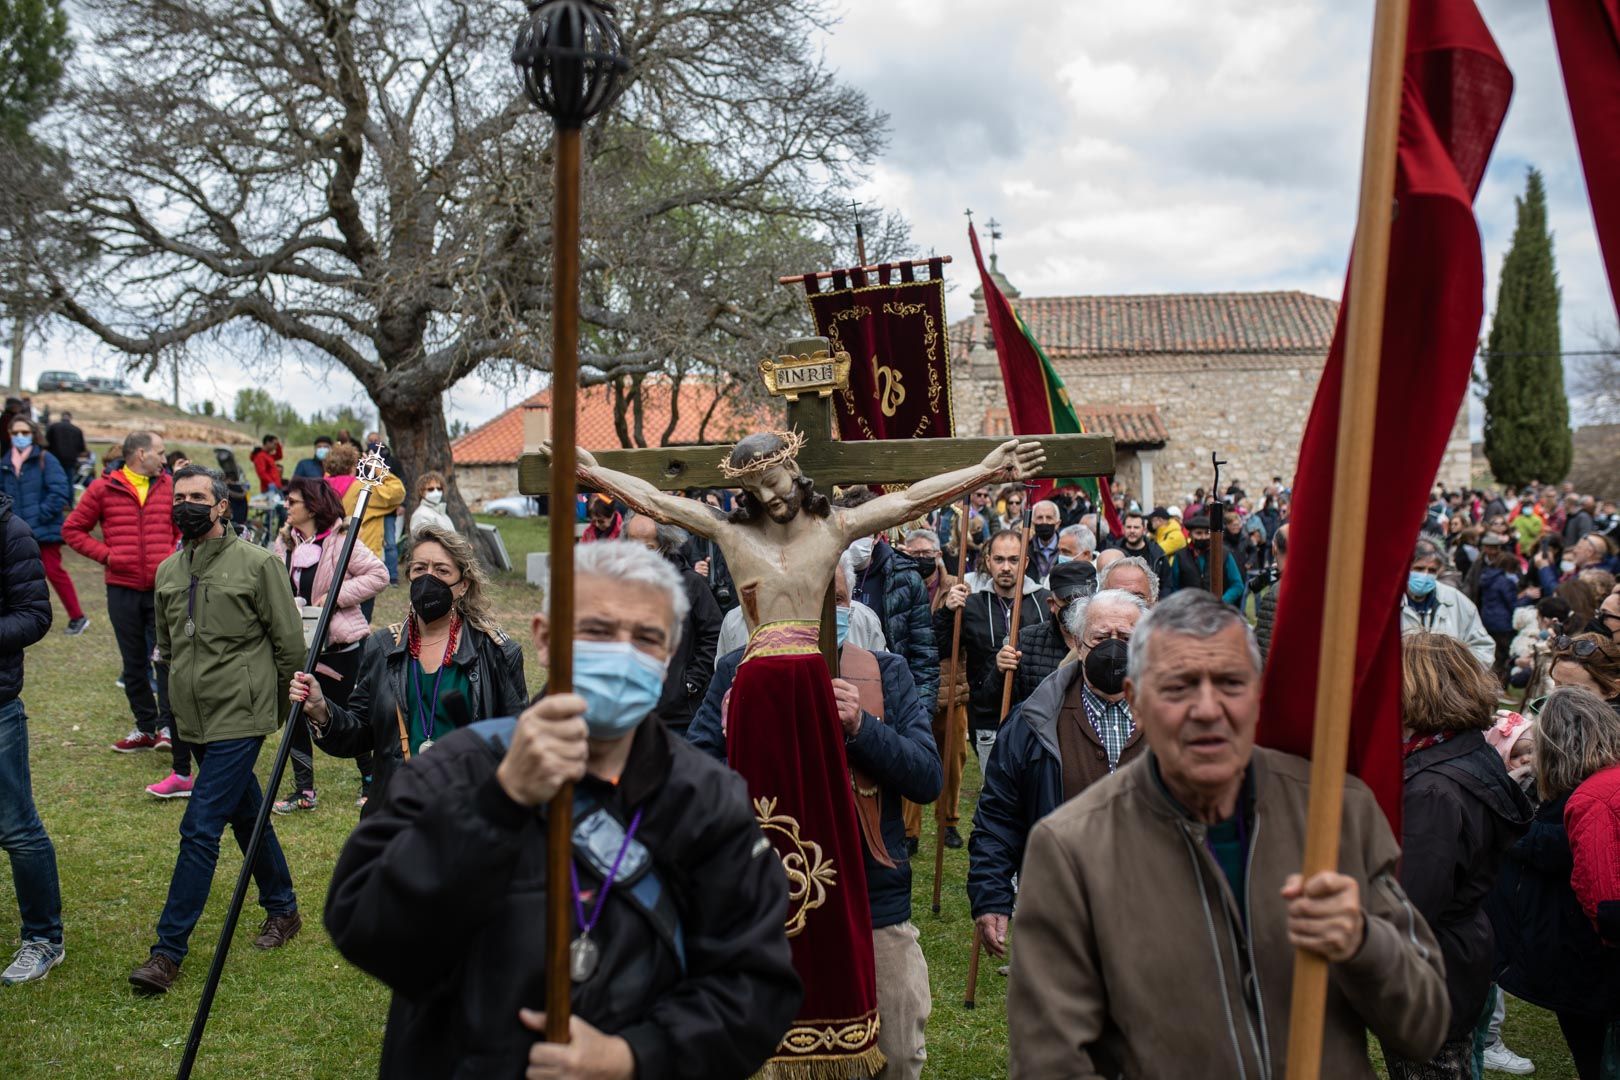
(295, 716)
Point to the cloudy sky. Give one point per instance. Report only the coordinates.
(1149, 146)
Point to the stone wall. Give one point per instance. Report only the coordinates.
(480, 482)
(1252, 410)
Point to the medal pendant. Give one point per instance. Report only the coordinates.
(583, 957)
(191, 628)
(427, 744)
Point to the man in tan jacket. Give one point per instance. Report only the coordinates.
(1159, 911)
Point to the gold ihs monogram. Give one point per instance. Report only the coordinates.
(890, 391)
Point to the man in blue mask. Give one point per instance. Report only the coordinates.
(1429, 604)
(889, 740)
(679, 949)
(313, 467)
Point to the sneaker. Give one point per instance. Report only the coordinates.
(164, 740)
(173, 786)
(1498, 1058)
(32, 962)
(77, 626)
(278, 930)
(134, 741)
(119, 682)
(155, 976)
(304, 800)
(953, 839)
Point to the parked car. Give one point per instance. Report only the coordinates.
(519, 506)
(99, 385)
(62, 380)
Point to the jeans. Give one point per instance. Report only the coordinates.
(33, 858)
(134, 622)
(226, 792)
(391, 547)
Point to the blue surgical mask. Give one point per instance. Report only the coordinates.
(841, 617)
(1062, 558)
(1420, 585)
(22, 442)
(321, 452)
(620, 685)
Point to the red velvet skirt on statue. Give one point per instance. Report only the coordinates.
(783, 737)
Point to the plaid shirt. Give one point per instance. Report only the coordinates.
(1112, 722)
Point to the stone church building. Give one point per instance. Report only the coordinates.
(1173, 378)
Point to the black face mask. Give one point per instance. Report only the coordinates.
(1200, 546)
(431, 598)
(1105, 666)
(1046, 530)
(194, 520)
(1596, 625)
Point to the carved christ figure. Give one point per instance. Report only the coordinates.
(783, 540)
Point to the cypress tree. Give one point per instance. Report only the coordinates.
(1527, 434)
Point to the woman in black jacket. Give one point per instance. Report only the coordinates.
(445, 666)
(1460, 814)
(1547, 951)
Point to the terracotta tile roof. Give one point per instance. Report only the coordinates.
(1132, 426)
(500, 441)
(1201, 324)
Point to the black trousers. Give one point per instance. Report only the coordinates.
(133, 617)
(1584, 1034)
(347, 665)
(180, 751)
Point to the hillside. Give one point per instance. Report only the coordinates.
(106, 418)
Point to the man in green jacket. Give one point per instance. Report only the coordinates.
(232, 638)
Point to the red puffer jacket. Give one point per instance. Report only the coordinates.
(135, 538)
(1592, 820)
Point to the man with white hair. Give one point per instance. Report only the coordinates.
(1075, 729)
(440, 890)
(1132, 574)
(1043, 546)
(1179, 870)
(1076, 543)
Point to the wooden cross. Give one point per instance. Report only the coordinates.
(826, 460)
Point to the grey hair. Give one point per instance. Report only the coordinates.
(1191, 612)
(1077, 615)
(1430, 549)
(1087, 539)
(929, 535)
(1131, 560)
(627, 561)
(215, 478)
(666, 538)
(137, 441)
(1577, 733)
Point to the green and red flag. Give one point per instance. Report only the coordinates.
(1037, 400)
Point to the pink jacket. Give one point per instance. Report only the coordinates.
(1592, 820)
(366, 577)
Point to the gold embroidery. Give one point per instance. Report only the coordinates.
(891, 392)
(809, 874)
(813, 1037)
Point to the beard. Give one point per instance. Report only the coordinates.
(788, 510)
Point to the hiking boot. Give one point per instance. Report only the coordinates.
(173, 786)
(1498, 1058)
(155, 976)
(165, 741)
(134, 742)
(953, 839)
(32, 962)
(75, 627)
(278, 930)
(304, 800)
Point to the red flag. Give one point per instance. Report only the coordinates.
(1588, 33)
(1455, 94)
(1037, 400)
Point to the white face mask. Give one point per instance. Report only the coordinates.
(433, 498)
(860, 552)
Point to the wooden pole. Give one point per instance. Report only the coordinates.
(970, 999)
(560, 647)
(1017, 611)
(953, 735)
(1352, 482)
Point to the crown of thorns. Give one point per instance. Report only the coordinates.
(792, 443)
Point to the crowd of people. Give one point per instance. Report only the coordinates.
(1128, 837)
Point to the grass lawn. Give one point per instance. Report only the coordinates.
(303, 1012)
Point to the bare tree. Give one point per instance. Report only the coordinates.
(1598, 381)
(360, 183)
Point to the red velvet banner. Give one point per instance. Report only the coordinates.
(900, 375)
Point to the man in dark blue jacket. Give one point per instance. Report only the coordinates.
(25, 616)
(896, 753)
(1075, 729)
